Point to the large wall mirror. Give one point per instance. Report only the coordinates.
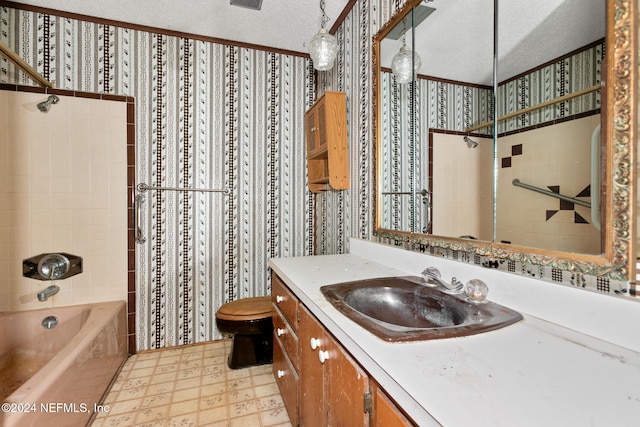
(555, 84)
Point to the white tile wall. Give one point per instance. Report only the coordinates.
(63, 188)
(551, 155)
(462, 187)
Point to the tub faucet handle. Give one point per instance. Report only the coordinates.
(53, 266)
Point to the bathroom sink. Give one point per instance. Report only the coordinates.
(403, 309)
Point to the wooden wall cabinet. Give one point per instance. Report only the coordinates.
(327, 148)
(320, 382)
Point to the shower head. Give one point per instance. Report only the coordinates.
(45, 105)
(470, 142)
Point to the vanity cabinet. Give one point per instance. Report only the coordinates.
(321, 384)
(386, 413)
(333, 387)
(285, 345)
(326, 135)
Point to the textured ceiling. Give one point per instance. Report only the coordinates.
(455, 42)
(282, 24)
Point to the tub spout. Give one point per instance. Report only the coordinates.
(50, 291)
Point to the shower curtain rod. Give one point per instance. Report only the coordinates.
(517, 183)
(20, 63)
(144, 187)
(537, 107)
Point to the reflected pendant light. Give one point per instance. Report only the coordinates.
(405, 63)
(323, 47)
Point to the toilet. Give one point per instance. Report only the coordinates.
(249, 321)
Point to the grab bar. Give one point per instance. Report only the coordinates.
(423, 193)
(426, 200)
(137, 206)
(517, 183)
(144, 187)
(397, 193)
(595, 178)
(140, 198)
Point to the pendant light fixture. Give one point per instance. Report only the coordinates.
(405, 63)
(323, 47)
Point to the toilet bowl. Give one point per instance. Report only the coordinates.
(249, 321)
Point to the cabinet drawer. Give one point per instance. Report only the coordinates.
(287, 379)
(284, 300)
(287, 337)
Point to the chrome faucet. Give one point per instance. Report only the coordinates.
(53, 266)
(49, 292)
(432, 276)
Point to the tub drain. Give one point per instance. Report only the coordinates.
(50, 322)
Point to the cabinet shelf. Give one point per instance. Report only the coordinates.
(326, 135)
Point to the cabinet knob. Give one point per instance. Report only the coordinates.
(315, 343)
(280, 332)
(280, 373)
(313, 129)
(323, 356)
(279, 299)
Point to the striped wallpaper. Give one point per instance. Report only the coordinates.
(210, 115)
(573, 73)
(207, 116)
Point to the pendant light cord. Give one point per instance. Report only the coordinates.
(324, 18)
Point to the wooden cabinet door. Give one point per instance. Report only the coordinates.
(322, 125)
(346, 389)
(327, 143)
(385, 412)
(312, 407)
(332, 390)
(312, 132)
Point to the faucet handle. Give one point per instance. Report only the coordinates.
(430, 276)
(431, 271)
(476, 291)
(53, 266)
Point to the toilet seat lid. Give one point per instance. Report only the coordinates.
(246, 309)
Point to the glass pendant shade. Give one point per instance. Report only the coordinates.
(404, 64)
(323, 49)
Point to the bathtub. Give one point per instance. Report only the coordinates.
(58, 376)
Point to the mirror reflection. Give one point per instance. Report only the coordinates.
(438, 156)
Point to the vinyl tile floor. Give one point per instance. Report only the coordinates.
(192, 386)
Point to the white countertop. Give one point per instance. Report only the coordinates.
(533, 373)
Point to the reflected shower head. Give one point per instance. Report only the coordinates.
(45, 105)
(470, 142)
